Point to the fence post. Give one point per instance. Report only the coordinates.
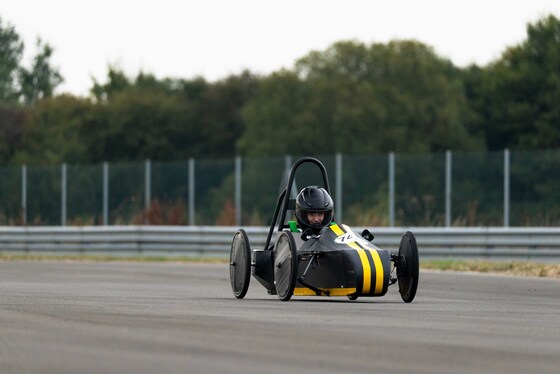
(391, 189)
(147, 190)
(105, 193)
(24, 194)
(191, 191)
(63, 195)
(238, 190)
(448, 169)
(506, 187)
(338, 186)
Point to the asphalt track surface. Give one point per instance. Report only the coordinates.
(65, 317)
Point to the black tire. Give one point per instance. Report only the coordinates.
(408, 267)
(240, 264)
(353, 297)
(285, 265)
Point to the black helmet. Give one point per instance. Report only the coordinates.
(314, 199)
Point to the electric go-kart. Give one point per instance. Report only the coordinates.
(335, 262)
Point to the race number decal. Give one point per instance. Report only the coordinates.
(349, 238)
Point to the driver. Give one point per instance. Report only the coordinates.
(314, 209)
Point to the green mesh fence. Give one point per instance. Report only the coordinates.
(84, 195)
(535, 188)
(478, 189)
(262, 181)
(214, 192)
(420, 190)
(169, 193)
(10, 196)
(126, 193)
(476, 192)
(365, 190)
(44, 195)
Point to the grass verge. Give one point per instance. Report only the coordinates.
(534, 269)
(545, 270)
(102, 257)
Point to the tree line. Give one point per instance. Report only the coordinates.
(353, 98)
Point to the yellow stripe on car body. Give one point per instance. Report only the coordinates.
(366, 286)
(304, 291)
(378, 266)
(378, 271)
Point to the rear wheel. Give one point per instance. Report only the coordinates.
(408, 267)
(240, 264)
(285, 265)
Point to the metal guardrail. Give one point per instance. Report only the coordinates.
(215, 241)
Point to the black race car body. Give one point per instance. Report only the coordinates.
(335, 262)
(341, 263)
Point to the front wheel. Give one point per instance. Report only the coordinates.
(408, 267)
(240, 264)
(285, 265)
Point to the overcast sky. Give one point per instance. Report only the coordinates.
(217, 38)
